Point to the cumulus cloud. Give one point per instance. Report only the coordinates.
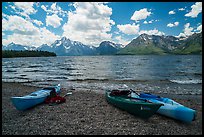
(145, 22)
(3, 34)
(172, 12)
(89, 23)
(152, 32)
(39, 23)
(140, 14)
(181, 35)
(4, 15)
(187, 31)
(26, 8)
(14, 23)
(173, 24)
(199, 28)
(181, 9)
(54, 9)
(149, 22)
(129, 28)
(26, 34)
(53, 6)
(170, 25)
(196, 9)
(37, 4)
(12, 7)
(53, 20)
(120, 40)
(44, 8)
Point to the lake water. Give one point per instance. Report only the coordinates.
(176, 74)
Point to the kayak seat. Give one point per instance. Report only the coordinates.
(49, 88)
(33, 94)
(166, 100)
(134, 95)
(117, 92)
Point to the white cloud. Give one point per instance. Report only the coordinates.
(181, 35)
(58, 10)
(173, 24)
(187, 31)
(149, 22)
(25, 33)
(39, 23)
(53, 20)
(54, 9)
(141, 14)
(89, 23)
(47, 36)
(37, 4)
(18, 25)
(170, 25)
(129, 28)
(120, 40)
(12, 7)
(145, 22)
(43, 7)
(176, 23)
(3, 34)
(70, 4)
(53, 6)
(172, 12)
(152, 32)
(196, 9)
(199, 28)
(26, 7)
(4, 15)
(44, 36)
(116, 32)
(181, 9)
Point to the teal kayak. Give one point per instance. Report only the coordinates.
(37, 97)
(171, 108)
(138, 107)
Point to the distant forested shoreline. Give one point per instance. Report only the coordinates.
(26, 53)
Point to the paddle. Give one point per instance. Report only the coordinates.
(134, 92)
(69, 93)
(139, 98)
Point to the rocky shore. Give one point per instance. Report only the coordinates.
(88, 113)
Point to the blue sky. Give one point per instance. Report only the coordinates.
(37, 23)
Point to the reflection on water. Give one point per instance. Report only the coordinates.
(102, 72)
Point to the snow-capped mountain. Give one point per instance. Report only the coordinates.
(152, 44)
(45, 47)
(13, 46)
(67, 47)
(163, 42)
(143, 44)
(108, 48)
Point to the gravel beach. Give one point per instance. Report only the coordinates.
(88, 113)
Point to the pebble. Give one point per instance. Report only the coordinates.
(88, 114)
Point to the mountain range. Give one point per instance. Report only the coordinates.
(67, 47)
(152, 44)
(143, 44)
(13, 46)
